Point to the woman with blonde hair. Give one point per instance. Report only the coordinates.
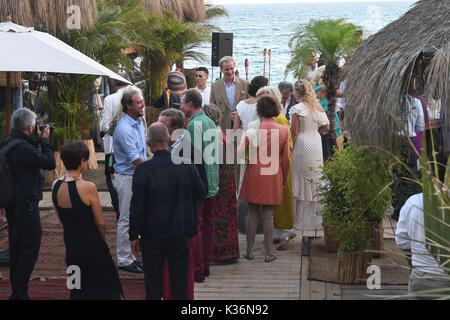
(308, 120)
(283, 215)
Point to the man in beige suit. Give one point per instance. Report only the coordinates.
(227, 92)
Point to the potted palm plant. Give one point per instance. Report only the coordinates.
(67, 103)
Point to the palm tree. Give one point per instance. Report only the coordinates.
(332, 40)
(164, 40)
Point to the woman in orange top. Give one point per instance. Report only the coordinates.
(266, 173)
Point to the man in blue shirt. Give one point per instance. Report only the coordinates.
(129, 152)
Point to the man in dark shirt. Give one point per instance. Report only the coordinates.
(24, 223)
(171, 97)
(163, 213)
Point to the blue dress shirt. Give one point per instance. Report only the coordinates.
(231, 93)
(129, 144)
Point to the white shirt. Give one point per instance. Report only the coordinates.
(206, 94)
(285, 106)
(341, 101)
(247, 113)
(410, 235)
(112, 107)
(416, 118)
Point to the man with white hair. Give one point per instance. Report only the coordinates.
(227, 92)
(287, 97)
(111, 111)
(25, 162)
(129, 152)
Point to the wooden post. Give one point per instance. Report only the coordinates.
(265, 56)
(270, 59)
(246, 69)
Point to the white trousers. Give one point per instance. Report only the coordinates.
(123, 183)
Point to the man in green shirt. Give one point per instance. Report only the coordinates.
(205, 136)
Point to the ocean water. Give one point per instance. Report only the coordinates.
(270, 26)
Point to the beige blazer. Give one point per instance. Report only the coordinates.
(219, 98)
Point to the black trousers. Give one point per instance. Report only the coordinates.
(25, 233)
(154, 252)
(403, 187)
(112, 190)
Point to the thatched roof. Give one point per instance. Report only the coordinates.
(379, 73)
(47, 15)
(192, 10)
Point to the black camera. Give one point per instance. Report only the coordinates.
(41, 126)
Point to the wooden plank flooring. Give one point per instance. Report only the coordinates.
(255, 279)
(286, 278)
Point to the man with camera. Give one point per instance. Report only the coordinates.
(25, 161)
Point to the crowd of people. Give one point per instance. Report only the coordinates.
(174, 192)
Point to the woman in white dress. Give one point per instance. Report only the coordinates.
(308, 120)
(246, 109)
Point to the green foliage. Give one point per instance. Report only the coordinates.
(436, 205)
(355, 190)
(68, 102)
(332, 40)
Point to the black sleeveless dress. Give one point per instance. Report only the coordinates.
(86, 248)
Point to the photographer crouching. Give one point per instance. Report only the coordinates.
(25, 161)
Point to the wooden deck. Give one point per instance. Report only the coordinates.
(255, 279)
(286, 278)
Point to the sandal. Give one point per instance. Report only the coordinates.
(285, 241)
(269, 258)
(249, 256)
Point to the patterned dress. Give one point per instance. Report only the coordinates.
(226, 246)
(307, 161)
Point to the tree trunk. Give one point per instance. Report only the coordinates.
(159, 70)
(331, 79)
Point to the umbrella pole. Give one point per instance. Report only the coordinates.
(8, 103)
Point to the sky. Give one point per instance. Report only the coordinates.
(222, 2)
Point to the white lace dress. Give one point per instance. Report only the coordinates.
(307, 159)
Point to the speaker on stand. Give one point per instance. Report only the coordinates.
(222, 45)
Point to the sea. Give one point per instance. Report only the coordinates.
(256, 27)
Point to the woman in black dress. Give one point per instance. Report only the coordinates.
(78, 206)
